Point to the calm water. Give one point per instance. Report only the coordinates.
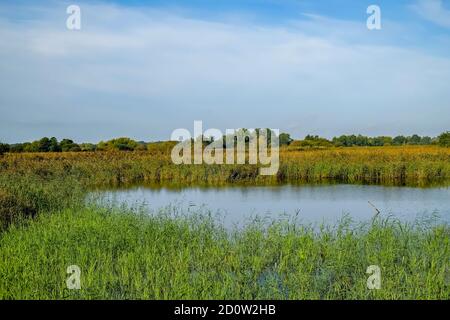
(312, 204)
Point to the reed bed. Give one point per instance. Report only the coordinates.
(415, 166)
(125, 255)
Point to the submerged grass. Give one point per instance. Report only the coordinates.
(125, 255)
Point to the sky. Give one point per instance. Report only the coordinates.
(142, 69)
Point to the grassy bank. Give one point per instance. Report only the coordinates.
(123, 255)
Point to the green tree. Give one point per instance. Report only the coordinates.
(426, 140)
(414, 139)
(343, 141)
(399, 140)
(16, 147)
(285, 139)
(54, 145)
(444, 139)
(362, 140)
(381, 141)
(68, 145)
(32, 147)
(44, 144)
(4, 148)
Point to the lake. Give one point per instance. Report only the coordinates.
(308, 203)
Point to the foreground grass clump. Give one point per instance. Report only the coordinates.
(25, 196)
(128, 255)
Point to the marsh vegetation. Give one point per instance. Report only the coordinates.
(47, 225)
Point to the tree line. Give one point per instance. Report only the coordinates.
(365, 141)
(126, 144)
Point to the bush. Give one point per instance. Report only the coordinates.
(121, 144)
(311, 142)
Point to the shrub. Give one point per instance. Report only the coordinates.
(121, 144)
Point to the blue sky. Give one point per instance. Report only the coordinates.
(145, 68)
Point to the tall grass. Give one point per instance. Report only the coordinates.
(129, 256)
(384, 165)
(25, 196)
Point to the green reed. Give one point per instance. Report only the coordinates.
(126, 255)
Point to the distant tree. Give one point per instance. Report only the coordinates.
(381, 141)
(312, 141)
(387, 141)
(426, 140)
(377, 142)
(4, 148)
(16, 147)
(345, 141)
(44, 144)
(31, 147)
(362, 140)
(399, 140)
(68, 145)
(444, 139)
(285, 139)
(352, 140)
(54, 145)
(102, 146)
(338, 141)
(414, 139)
(435, 141)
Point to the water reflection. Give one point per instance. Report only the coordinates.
(312, 204)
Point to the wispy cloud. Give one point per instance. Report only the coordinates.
(434, 11)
